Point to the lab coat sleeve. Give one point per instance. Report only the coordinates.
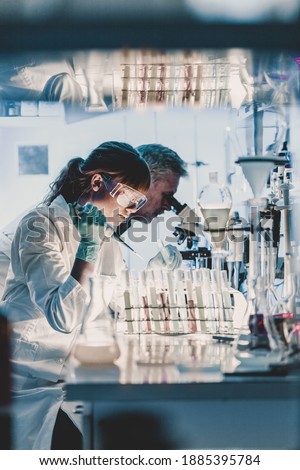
(5, 246)
(4, 265)
(46, 262)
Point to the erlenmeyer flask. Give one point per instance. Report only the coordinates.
(97, 344)
(258, 338)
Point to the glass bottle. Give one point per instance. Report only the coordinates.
(215, 203)
(96, 344)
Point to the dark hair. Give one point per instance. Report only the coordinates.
(162, 160)
(118, 159)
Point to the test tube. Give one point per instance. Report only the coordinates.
(155, 310)
(181, 299)
(209, 303)
(190, 302)
(197, 277)
(172, 302)
(134, 280)
(217, 298)
(227, 305)
(145, 302)
(127, 301)
(160, 276)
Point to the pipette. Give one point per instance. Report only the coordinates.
(120, 239)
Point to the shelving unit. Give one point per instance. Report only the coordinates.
(28, 121)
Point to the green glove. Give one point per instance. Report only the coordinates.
(90, 223)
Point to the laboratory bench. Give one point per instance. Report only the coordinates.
(185, 392)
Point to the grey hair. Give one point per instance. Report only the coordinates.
(162, 160)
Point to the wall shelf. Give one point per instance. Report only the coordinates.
(31, 121)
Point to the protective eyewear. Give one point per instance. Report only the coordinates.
(124, 195)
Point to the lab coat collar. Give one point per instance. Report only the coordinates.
(61, 205)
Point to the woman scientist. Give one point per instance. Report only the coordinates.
(44, 298)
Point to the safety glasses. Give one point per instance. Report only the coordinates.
(124, 195)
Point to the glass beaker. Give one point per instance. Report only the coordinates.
(97, 344)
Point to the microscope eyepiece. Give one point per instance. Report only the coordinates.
(176, 206)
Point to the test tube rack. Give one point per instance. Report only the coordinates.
(177, 302)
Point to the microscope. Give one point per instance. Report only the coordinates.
(189, 229)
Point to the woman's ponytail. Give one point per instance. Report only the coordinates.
(67, 184)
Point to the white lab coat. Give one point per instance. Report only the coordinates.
(45, 305)
(5, 245)
(6, 237)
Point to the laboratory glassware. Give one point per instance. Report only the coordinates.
(96, 344)
(215, 204)
(262, 341)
